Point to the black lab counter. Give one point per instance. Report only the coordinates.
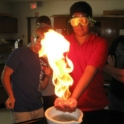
(94, 117)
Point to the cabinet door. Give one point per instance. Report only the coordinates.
(120, 27)
(96, 27)
(2, 24)
(109, 29)
(14, 24)
(61, 23)
(8, 24)
(7, 27)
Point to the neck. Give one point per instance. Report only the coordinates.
(82, 39)
(33, 49)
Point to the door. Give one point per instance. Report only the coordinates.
(31, 26)
(61, 24)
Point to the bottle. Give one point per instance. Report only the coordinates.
(16, 44)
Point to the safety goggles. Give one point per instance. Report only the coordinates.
(43, 25)
(83, 21)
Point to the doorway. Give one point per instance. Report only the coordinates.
(31, 26)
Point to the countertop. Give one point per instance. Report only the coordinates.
(103, 117)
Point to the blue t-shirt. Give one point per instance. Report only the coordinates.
(25, 79)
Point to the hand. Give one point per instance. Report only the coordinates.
(59, 104)
(68, 105)
(111, 60)
(10, 103)
(48, 71)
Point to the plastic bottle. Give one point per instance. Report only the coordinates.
(16, 44)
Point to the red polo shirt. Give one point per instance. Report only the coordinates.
(93, 52)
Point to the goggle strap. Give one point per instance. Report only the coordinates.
(92, 20)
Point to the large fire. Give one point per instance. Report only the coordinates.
(55, 47)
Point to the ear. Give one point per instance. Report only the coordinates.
(30, 42)
(91, 25)
(32, 39)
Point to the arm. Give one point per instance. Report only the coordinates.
(44, 84)
(84, 81)
(115, 72)
(5, 77)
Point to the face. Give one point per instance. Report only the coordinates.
(38, 35)
(36, 41)
(80, 29)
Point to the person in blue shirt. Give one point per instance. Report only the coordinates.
(21, 77)
(48, 94)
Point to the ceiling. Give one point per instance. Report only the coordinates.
(29, 0)
(47, 0)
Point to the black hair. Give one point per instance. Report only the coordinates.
(43, 19)
(82, 7)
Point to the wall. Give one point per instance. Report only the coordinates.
(22, 10)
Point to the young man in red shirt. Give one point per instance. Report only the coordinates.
(88, 52)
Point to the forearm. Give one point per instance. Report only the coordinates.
(5, 78)
(7, 85)
(84, 81)
(119, 78)
(113, 70)
(44, 83)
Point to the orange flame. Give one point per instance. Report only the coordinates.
(54, 46)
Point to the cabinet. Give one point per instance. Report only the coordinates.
(8, 24)
(61, 22)
(111, 27)
(96, 28)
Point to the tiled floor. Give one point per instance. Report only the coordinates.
(4, 116)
